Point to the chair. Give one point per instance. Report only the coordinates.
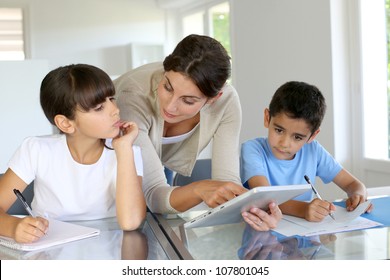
(17, 208)
(201, 171)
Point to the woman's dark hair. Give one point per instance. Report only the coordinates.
(67, 88)
(299, 100)
(204, 60)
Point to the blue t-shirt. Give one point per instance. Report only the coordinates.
(311, 160)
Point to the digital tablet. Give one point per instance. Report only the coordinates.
(260, 197)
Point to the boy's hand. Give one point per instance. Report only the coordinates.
(318, 209)
(262, 221)
(354, 200)
(30, 229)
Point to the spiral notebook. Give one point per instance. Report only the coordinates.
(59, 233)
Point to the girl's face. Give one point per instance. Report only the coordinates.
(180, 99)
(101, 122)
(286, 136)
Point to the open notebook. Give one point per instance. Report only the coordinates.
(344, 221)
(59, 233)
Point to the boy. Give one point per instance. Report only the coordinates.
(290, 152)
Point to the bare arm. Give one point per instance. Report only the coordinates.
(130, 201)
(355, 189)
(257, 181)
(212, 192)
(26, 229)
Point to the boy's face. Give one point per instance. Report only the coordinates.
(286, 136)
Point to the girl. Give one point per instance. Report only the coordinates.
(91, 170)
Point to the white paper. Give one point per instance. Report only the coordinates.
(344, 221)
(59, 233)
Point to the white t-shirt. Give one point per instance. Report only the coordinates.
(63, 188)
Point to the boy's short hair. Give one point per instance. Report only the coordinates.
(299, 100)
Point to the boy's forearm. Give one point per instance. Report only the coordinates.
(356, 188)
(294, 208)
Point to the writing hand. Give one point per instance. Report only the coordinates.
(30, 229)
(318, 209)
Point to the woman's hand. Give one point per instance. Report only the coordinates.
(214, 193)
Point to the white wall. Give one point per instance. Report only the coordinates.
(20, 111)
(90, 31)
(97, 32)
(275, 42)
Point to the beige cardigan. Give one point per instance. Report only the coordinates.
(219, 121)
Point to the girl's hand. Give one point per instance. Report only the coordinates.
(30, 229)
(128, 134)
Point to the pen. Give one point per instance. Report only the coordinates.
(316, 193)
(24, 202)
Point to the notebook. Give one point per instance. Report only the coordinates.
(344, 221)
(260, 197)
(59, 233)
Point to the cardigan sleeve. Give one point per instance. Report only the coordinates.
(225, 149)
(135, 101)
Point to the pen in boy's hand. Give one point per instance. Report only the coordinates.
(316, 193)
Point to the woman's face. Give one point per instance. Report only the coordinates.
(180, 99)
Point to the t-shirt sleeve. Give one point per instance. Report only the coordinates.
(252, 160)
(327, 166)
(22, 162)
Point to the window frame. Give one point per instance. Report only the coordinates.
(372, 169)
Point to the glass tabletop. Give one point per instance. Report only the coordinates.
(239, 241)
(148, 242)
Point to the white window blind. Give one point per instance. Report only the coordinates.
(11, 34)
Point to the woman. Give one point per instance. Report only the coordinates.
(180, 106)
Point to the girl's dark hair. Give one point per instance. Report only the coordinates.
(204, 60)
(299, 100)
(67, 88)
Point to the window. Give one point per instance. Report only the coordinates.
(388, 69)
(11, 34)
(193, 24)
(374, 80)
(212, 21)
(220, 27)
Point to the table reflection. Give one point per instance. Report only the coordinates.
(270, 245)
(134, 246)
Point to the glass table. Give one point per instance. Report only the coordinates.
(146, 243)
(239, 241)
